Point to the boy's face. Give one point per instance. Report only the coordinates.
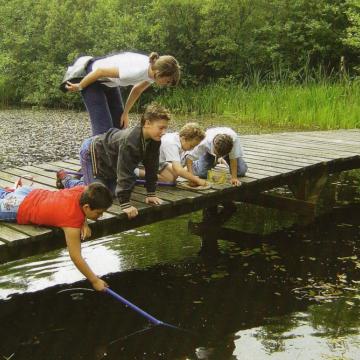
(92, 214)
(155, 129)
(187, 145)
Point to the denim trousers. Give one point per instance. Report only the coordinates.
(104, 105)
(10, 202)
(206, 162)
(87, 171)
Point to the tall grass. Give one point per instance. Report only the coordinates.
(312, 103)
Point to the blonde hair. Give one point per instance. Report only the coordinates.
(192, 131)
(154, 112)
(223, 144)
(165, 65)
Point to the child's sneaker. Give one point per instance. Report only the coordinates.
(60, 176)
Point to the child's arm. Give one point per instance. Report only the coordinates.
(233, 171)
(180, 171)
(92, 77)
(189, 163)
(135, 93)
(72, 236)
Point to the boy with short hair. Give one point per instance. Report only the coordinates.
(219, 142)
(172, 154)
(67, 209)
(112, 157)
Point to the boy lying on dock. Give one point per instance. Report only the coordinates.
(219, 142)
(172, 155)
(67, 209)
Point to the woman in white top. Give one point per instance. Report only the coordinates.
(100, 88)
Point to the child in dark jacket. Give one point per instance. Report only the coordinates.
(112, 157)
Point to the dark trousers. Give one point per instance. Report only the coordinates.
(104, 105)
(207, 161)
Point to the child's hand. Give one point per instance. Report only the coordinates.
(99, 285)
(131, 212)
(154, 200)
(202, 182)
(85, 231)
(235, 182)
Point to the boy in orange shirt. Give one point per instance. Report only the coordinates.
(67, 209)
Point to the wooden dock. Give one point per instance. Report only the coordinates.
(301, 160)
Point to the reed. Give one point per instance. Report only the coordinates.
(312, 103)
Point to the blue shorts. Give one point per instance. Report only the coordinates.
(11, 201)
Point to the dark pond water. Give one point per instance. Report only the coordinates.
(285, 292)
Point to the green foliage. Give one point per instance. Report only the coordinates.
(323, 105)
(242, 41)
(353, 31)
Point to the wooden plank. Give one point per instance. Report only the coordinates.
(271, 167)
(40, 179)
(50, 166)
(317, 144)
(298, 159)
(30, 230)
(346, 143)
(65, 165)
(290, 146)
(282, 150)
(347, 137)
(275, 160)
(11, 236)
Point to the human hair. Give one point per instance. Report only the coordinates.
(223, 144)
(192, 131)
(97, 196)
(153, 112)
(165, 65)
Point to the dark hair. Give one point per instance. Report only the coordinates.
(223, 144)
(155, 112)
(97, 196)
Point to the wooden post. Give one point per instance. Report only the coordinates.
(307, 187)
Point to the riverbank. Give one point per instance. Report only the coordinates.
(36, 136)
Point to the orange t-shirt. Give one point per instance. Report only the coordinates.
(54, 208)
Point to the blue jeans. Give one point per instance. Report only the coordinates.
(10, 202)
(104, 105)
(87, 170)
(206, 162)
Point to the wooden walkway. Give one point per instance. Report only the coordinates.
(301, 160)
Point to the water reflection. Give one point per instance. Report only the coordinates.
(132, 249)
(283, 294)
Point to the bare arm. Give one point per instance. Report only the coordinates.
(135, 93)
(180, 171)
(92, 77)
(189, 163)
(233, 171)
(72, 237)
